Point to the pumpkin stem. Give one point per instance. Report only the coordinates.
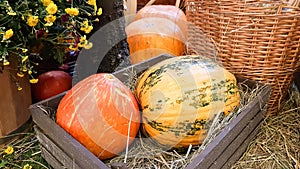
(109, 76)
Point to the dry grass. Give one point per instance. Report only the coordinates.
(146, 153)
(277, 145)
(25, 151)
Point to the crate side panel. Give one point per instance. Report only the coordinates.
(56, 152)
(50, 102)
(239, 152)
(229, 133)
(72, 147)
(237, 142)
(140, 67)
(50, 159)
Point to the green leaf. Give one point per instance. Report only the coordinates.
(3, 163)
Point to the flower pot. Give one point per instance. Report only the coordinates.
(14, 112)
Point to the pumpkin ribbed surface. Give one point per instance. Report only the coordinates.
(180, 97)
(100, 112)
(170, 12)
(149, 37)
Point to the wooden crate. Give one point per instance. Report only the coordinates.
(61, 150)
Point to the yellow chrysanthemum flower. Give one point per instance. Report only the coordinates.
(24, 50)
(24, 59)
(88, 46)
(48, 24)
(20, 88)
(27, 166)
(91, 2)
(6, 63)
(50, 18)
(8, 34)
(24, 69)
(33, 81)
(51, 8)
(32, 20)
(84, 24)
(82, 38)
(95, 9)
(46, 2)
(9, 150)
(82, 42)
(20, 74)
(99, 12)
(71, 47)
(12, 13)
(86, 27)
(72, 11)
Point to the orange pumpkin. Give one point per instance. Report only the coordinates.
(149, 37)
(165, 11)
(142, 3)
(100, 112)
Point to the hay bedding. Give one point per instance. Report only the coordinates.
(145, 153)
(277, 144)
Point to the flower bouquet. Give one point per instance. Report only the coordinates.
(31, 30)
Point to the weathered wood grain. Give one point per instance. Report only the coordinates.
(237, 142)
(83, 157)
(240, 151)
(51, 160)
(56, 151)
(62, 150)
(229, 133)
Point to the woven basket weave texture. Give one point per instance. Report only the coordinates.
(256, 39)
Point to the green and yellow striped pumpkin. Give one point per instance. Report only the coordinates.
(180, 96)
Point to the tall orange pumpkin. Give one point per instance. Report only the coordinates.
(149, 37)
(101, 113)
(165, 11)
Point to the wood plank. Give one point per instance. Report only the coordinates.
(239, 152)
(83, 157)
(50, 102)
(87, 160)
(121, 75)
(230, 132)
(140, 67)
(50, 159)
(56, 151)
(237, 142)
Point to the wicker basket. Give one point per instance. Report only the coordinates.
(256, 39)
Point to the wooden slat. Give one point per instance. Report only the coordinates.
(239, 152)
(50, 102)
(56, 151)
(122, 74)
(83, 157)
(50, 159)
(237, 142)
(229, 133)
(62, 139)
